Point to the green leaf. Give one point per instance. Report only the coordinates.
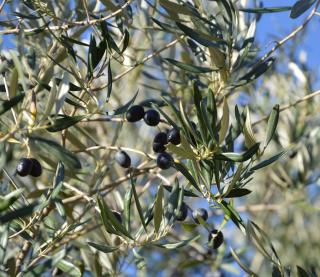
(17, 60)
(236, 157)
(7, 200)
(266, 9)
(69, 268)
(269, 161)
(127, 208)
(249, 137)
(123, 109)
(52, 149)
(262, 242)
(248, 41)
(110, 222)
(58, 180)
(301, 272)
(256, 72)
(95, 54)
(181, 151)
(190, 67)
(187, 193)
(72, 40)
(174, 9)
(172, 201)
(108, 38)
(241, 264)
(231, 213)
(136, 198)
(198, 38)
(237, 192)
(235, 178)
(8, 104)
(63, 90)
(65, 122)
(185, 172)
(177, 245)
(197, 98)
(166, 27)
(158, 209)
(4, 234)
(13, 83)
(18, 213)
(180, 201)
(105, 219)
(224, 122)
(301, 7)
(103, 248)
(109, 86)
(272, 124)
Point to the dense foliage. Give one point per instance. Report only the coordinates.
(156, 138)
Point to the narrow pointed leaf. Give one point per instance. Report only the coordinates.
(158, 209)
(65, 122)
(269, 161)
(272, 124)
(266, 9)
(53, 149)
(127, 208)
(224, 122)
(103, 248)
(69, 268)
(185, 172)
(138, 205)
(8, 104)
(109, 218)
(177, 245)
(301, 7)
(237, 192)
(236, 157)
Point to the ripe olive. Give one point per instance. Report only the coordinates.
(123, 159)
(215, 239)
(36, 169)
(174, 136)
(164, 160)
(159, 142)
(135, 113)
(24, 167)
(201, 213)
(161, 138)
(152, 117)
(183, 213)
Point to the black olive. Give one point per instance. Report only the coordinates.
(123, 159)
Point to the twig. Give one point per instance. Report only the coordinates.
(288, 106)
(69, 24)
(292, 34)
(2, 5)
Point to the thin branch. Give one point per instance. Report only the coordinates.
(69, 25)
(2, 5)
(292, 34)
(288, 106)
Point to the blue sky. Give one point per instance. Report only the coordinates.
(278, 25)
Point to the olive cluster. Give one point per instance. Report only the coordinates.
(29, 166)
(152, 118)
(215, 238)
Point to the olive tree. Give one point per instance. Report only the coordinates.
(156, 137)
